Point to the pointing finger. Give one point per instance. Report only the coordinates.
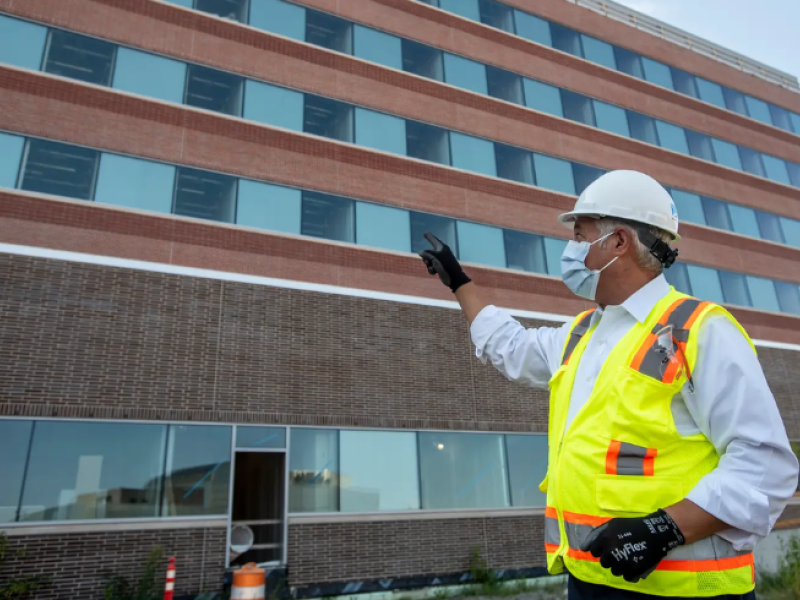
(434, 241)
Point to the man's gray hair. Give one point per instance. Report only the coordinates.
(644, 258)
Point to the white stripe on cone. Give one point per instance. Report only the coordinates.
(171, 574)
(170, 586)
(253, 592)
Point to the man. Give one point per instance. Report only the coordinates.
(668, 459)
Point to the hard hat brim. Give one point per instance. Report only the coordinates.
(568, 220)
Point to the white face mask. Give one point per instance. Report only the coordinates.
(576, 275)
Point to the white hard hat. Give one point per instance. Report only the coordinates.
(628, 195)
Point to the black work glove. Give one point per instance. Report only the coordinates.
(632, 548)
(442, 262)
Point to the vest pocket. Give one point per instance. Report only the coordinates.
(623, 495)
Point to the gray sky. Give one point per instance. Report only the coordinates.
(765, 30)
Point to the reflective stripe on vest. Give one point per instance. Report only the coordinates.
(576, 334)
(626, 459)
(552, 533)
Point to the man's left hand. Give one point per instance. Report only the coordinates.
(632, 548)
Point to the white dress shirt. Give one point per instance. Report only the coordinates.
(731, 405)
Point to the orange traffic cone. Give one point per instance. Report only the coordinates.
(248, 583)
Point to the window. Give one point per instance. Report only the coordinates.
(465, 73)
(462, 470)
(643, 128)
(770, 227)
(504, 85)
(794, 173)
(734, 288)
(135, 183)
(198, 470)
(313, 471)
(751, 161)
(776, 169)
(430, 2)
(427, 142)
(743, 220)
(473, 154)
(601, 53)
(21, 44)
(672, 137)
(705, 283)
(378, 471)
(554, 248)
(329, 32)
(734, 100)
(232, 10)
(791, 231)
(481, 244)
(466, 8)
(15, 439)
(781, 118)
(577, 107)
(542, 97)
(527, 467)
(423, 60)
(700, 145)
(795, 122)
(260, 437)
(726, 154)
(84, 470)
(678, 277)
(277, 16)
(658, 73)
(533, 28)
(554, 174)
(273, 105)
(759, 110)
(515, 164)
(380, 131)
(205, 195)
(214, 90)
(149, 75)
(788, 297)
(717, 215)
(328, 217)
(383, 227)
(525, 251)
(690, 207)
(584, 175)
(328, 118)
(611, 118)
(10, 157)
(710, 92)
(762, 292)
(378, 47)
(497, 15)
(266, 206)
(685, 83)
(59, 169)
(629, 62)
(566, 39)
(79, 57)
(443, 228)
(184, 3)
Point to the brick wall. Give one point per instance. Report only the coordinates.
(75, 563)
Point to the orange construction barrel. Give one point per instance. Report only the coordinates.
(248, 583)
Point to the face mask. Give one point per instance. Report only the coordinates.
(576, 275)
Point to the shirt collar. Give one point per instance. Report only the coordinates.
(641, 303)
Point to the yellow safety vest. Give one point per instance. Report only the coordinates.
(622, 455)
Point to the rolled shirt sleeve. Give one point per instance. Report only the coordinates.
(527, 356)
(735, 409)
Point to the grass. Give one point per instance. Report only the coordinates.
(784, 584)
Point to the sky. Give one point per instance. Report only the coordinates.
(765, 30)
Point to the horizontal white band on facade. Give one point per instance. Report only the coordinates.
(139, 265)
(102, 526)
(415, 515)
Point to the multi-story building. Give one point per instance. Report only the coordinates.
(215, 336)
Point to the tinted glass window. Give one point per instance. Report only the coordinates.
(794, 173)
(700, 145)
(776, 169)
(781, 118)
(566, 39)
(135, 183)
(465, 73)
(543, 97)
(527, 467)
(751, 161)
(21, 43)
(584, 175)
(329, 32)
(328, 217)
(233, 10)
(505, 85)
(791, 231)
(10, 158)
(710, 92)
(273, 105)
(149, 75)
(515, 164)
(554, 174)
(214, 90)
(734, 100)
(15, 437)
(795, 122)
(705, 283)
(744, 220)
(717, 214)
(497, 15)
(577, 107)
(379, 47)
(481, 244)
(79, 57)
(763, 294)
(383, 227)
(266, 206)
(423, 60)
(525, 251)
(380, 131)
(443, 228)
(726, 154)
(599, 52)
(260, 437)
(685, 83)
(205, 195)
(277, 16)
(462, 470)
(328, 118)
(788, 297)
(759, 110)
(658, 73)
(533, 28)
(643, 128)
(427, 142)
(466, 8)
(379, 471)
(628, 62)
(734, 288)
(678, 277)
(770, 227)
(611, 118)
(672, 137)
(59, 169)
(690, 207)
(313, 470)
(554, 248)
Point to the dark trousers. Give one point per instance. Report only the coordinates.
(580, 590)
